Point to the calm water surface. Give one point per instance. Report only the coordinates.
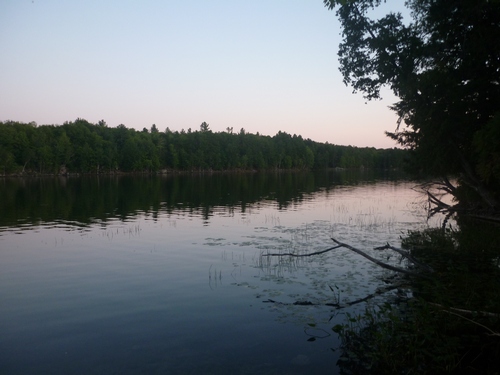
(164, 275)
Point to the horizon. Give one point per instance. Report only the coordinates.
(197, 129)
(264, 66)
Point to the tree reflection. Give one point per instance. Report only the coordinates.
(89, 199)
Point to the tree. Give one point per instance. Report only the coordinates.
(131, 155)
(204, 127)
(444, 66)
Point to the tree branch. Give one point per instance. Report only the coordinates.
(407, 255)
(467, 312)
(300, 255)
(492, 333)
(378, 262)
(369, 257)
(338, 305)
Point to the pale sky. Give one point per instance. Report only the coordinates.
(262, 65)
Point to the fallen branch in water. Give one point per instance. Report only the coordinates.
(407, 255)
(378, 262)
(337, 305)
(300, 255)
(369, 257)
(379, 291)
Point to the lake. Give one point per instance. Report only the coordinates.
(165, 274)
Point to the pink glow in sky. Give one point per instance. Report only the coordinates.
(265, 66)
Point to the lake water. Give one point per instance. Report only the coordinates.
(164, 275)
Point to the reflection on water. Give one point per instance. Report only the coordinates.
(164, 275)
(29, 201)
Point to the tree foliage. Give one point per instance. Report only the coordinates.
(444, 66)
(82, 147)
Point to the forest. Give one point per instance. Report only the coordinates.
(83, 147)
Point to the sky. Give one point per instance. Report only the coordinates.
(262, 65)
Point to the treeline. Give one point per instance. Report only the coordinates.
(83, 147)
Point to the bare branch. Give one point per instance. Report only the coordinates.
(378, 292)
(362, 253)
(405, 254)
(300, 255)
(378, 262)
(339, 305)
(492, 333)
(467, 312)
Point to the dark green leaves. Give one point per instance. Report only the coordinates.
(444, 65)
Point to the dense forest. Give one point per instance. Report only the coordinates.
(83, 147)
